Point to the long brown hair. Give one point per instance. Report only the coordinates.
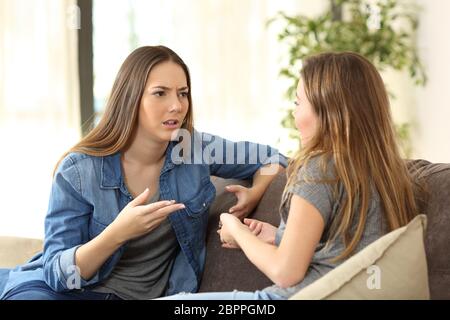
(355, 131)
(116, 127)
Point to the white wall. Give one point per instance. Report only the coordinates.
(426, 109)
(432, 132)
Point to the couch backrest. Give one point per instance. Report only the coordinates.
(226, 269)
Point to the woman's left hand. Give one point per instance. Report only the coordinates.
(247, 199)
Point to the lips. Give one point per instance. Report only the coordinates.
(171, 122)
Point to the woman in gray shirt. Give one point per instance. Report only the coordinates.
(347, 186)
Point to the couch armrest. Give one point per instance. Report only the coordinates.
(15, 250)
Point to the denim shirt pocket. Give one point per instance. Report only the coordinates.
(200, 204)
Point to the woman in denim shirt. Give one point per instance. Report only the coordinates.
(129, 203)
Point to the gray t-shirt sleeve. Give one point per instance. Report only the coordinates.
(315, 184)
(280, 232)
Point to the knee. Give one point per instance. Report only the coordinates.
(31, 291)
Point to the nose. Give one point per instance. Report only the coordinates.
(175, 105)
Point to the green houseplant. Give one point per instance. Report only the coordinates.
(381, 30)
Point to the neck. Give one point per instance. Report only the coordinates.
(145, 152)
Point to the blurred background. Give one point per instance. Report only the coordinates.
(59, 58)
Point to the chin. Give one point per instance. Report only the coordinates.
(168, 136)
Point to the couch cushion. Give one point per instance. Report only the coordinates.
(228, 269)
(15, 251)
(434, 179)
(392, 267)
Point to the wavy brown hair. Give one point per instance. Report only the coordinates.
(117, 126)
(356, 132)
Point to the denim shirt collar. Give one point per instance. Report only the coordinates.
(111, 174)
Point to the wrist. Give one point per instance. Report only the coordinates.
(240, 233)
(113, 237)
(239, 228)
(257, 191)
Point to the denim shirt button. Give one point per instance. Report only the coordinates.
(204, 204)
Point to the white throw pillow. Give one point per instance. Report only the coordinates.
(392, 267)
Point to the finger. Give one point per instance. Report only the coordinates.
(257, 229)
(228, 246)
(163, 212)
(236, 207)
(222, 217)
(234, 188)
(154, 222)
(241, 214)
(248, 221)
(157, 205)
(252, 225)
(140, 199)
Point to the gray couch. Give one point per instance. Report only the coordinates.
(227, 269)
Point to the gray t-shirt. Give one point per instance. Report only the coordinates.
(143, 270)
(318, 188)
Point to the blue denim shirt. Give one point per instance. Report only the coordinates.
(89, 192)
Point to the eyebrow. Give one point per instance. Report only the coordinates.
(167, 88)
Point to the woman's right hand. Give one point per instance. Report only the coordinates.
(263, 230)
(138, 218)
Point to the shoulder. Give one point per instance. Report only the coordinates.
(75, 166)
(317, 168)
(315, 183)
(76, 160)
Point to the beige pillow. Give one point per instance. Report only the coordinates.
(392, 267)
(15, 251)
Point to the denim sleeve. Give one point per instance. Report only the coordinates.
(238, 160)
(66, 229)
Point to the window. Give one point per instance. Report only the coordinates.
(237, 92)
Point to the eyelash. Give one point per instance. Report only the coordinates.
(162, 93)
(296, 103)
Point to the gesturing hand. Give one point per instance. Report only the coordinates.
(247, 199)
(263, 230)
(138, 218)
